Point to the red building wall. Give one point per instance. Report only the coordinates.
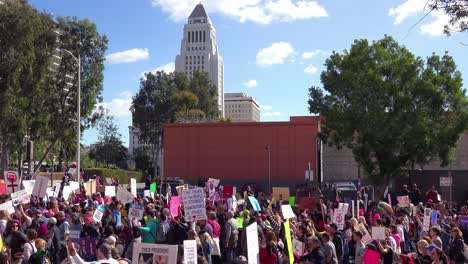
(235, 152)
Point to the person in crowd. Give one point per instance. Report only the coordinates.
(151, 228)
(432, 193)
(386, 253)
(359, 247)
(415, 194)
(456, 246)
(41, 256)
(422, 255)
(231, 236)
(30, 245)
(329, 250)
(434, 234)
(439, 256)
(15, 239)
(337, 240)
(207, 245)
(104, 255)
(316, 254)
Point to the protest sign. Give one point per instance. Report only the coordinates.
(211, 189)
(175, 205)
(378, 233)
(90, 187)
(20, 197)
(240, 222)
(88, 246)
(136, 211)
(281, 193)
(434, 217)
(98, 213)
(133, 186)
(339, 218)
(153, 187)
(228, 191)
(40, 186)
(255, 204)
(287, 229)
(108, 181)
(194, 204)
(229, 203)
(307, 203)
(427, 219)
(252, 244)
(74, 185)
(154, 253)
(215, 181)
(148, 193)
(12, 181)
(3, 188)
(366, 237)
(287, 211)
(67, 190)
(190, 252)
(75, 233)
(403, 201)
(298, 247)
(56, 190)
(109, 191)
(7, 206)
(28, 186)
(292, 200)
(124, 196)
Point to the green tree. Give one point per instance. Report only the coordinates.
(391, 108)
(207, 93)
(186, 107)
(109, 149)
(142, 160)
(457, 10)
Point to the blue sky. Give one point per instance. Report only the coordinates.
(273, 50)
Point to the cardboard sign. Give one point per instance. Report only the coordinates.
(255, 204)
(194, 204)
(228, 191)
(427, 219)
(190, 252)
(378, 233)
(98, 213)
(403, 201)
(109, 191)
(133, 186)
(90, 187)
(253, 249)
(287, 211)
(366, 237)
(281, 193)
(136, 211)
(7, 206)
(339, 218)
(154, 253)
(12, 181)
(28, 186)
(20, 197)
(124, 196)
(307, 203)
(175, 205)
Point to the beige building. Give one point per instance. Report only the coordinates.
(239, 107)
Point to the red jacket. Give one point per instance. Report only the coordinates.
(266, 258)
(216, 228)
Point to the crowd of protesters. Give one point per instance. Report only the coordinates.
(41, 231)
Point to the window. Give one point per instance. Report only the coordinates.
(186, 67)
(203, 48)
(204, 35)
(203, 57)
(196, 36)
(186, 62)
(188, 36)
(203, 67)
(190, 57)
(186, 57)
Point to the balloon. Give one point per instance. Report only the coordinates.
(384, 209)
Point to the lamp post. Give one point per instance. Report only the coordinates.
(78, 105)
(268, 148)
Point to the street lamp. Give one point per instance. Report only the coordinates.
(78, 133)
(268, 147)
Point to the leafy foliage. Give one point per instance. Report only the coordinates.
(391, 108)
(457, 10)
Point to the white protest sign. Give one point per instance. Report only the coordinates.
(194, 204)
(110, 191)
(366, 237)
(136, 211)
(40, 186)
(74, 185)
(50, 193)
(427, 219)
(298, 247)
(7, 206)
(154, 253)
(124, 196)
(28, 186)
(67, 190)
(98, 213)
(56, 190)
(20, 197)
(378, 233)
(252, 244)
(12, 181)
(215, 181)
(339, 218)
(403, 201)
(287, 211)
(133, 186)
(211, 189)
(190, 252)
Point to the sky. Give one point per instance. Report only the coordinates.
(273, 50)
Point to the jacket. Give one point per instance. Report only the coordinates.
(150, 231)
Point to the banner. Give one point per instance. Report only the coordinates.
(175, 205)
(98, 213)
(7, 206)
(154, 253)
(403, 201)
(378, 233)
(40, 186)
(136, 211)
(255, 204)
(194, 204)
(287, 211)
(20, 197)
(124, 196)
(133, 186)
(427, 219)
(339, 218)
(252, 244)
(281, 193)
(190, 252)
(109, 191)
(12, 181)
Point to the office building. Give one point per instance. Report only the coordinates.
(239, 107)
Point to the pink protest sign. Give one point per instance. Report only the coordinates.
(175, 204)
(371, 257)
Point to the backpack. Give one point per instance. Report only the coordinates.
(40, 257)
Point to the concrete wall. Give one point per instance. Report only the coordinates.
(338, 164)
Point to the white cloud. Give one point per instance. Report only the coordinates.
(436, 27)
(311, 69)
(310, 54)
(128, 56)
(266, 107)
(120, 106)
(277, 53)
(170, 67)
(257, 11)
(408, 8)
(271, 114)
(251, 83)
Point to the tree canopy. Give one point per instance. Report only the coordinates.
(457, 10)
(391, 108)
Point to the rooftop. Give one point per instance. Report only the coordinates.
(199, 11)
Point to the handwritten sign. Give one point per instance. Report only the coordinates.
(136, 211)
(40, 186)
(194, 204)
(174, 205)
(7, 206)
(403, 201)
(378, 233)
(124, 196)
(20, 197)
(281, 193)
(287, 211)
(28, 186)
(366, 237)
(190, 252)
(427, 219)
(98, 213)
(109, 191)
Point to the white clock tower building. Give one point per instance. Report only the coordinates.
(199, 51)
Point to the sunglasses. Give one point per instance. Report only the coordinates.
(14, 225)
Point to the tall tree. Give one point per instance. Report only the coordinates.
(207, 93)
(391, 108)
(457, 10)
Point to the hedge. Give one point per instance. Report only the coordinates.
(123, 175)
